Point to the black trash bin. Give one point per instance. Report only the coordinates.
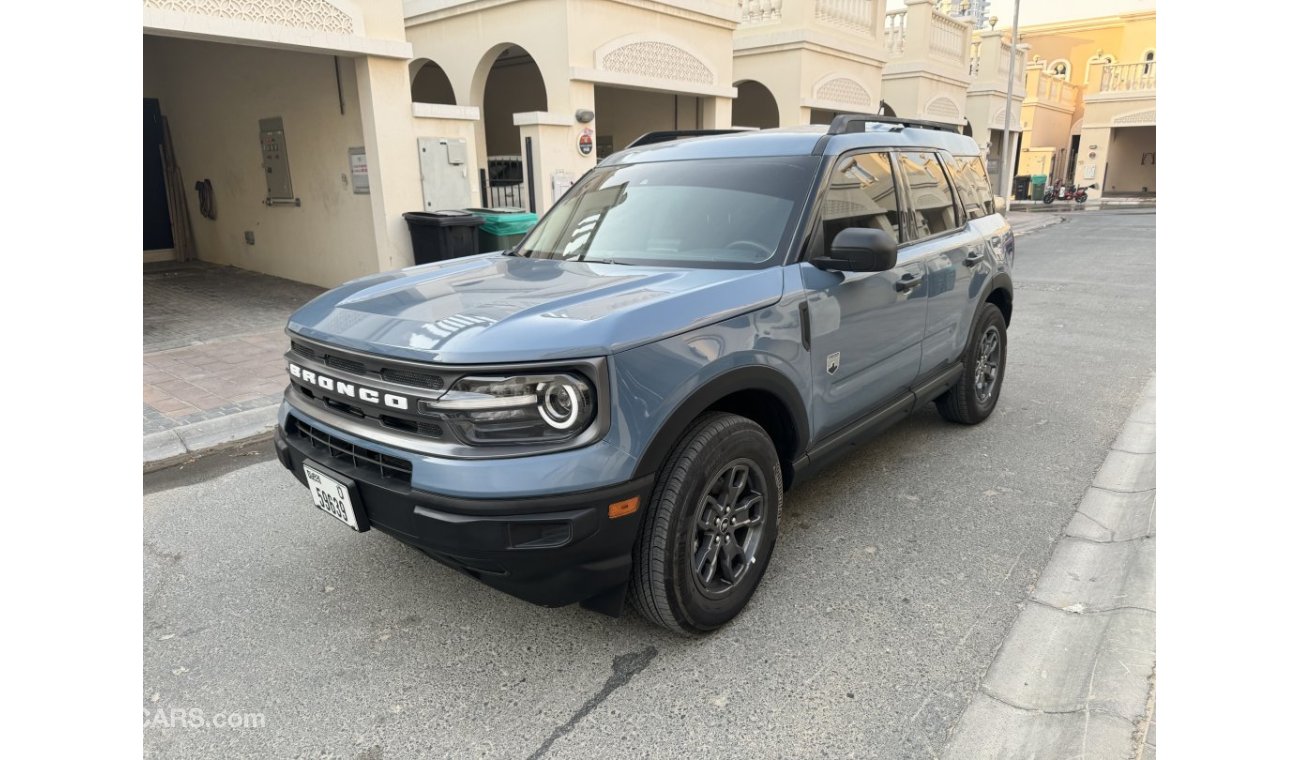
(1020, 187)
(442, 235)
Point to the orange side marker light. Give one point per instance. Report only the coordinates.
(624, 507)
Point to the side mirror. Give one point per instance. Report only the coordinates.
(999, 204)
(860, 249)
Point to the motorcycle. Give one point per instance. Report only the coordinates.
(1076, 193)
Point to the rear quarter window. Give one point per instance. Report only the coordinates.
(972, 182)
(933, 211)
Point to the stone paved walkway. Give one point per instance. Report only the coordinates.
(213, 341)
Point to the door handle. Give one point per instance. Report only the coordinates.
(908, 281)
(973, 258)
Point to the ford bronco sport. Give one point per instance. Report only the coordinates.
(613, 410)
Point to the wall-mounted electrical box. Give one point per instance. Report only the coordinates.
(275, 162)
(444, 172)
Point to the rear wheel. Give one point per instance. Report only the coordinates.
(711, 526)
(975, 395)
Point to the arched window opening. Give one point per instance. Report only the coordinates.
(429, 83)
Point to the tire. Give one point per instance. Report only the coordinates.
(1048, 198)
(1081, 198)
(975, 395)
(666, 588)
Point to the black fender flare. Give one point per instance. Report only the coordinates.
(758, 377)
(999, 281)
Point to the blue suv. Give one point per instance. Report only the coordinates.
(613, 410)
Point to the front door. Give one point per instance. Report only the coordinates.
(157, 218)
(866, 327)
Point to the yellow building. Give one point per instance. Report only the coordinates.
(1089, 114)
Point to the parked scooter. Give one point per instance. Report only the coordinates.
(1059, 191)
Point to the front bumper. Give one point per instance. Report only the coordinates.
(551, 550)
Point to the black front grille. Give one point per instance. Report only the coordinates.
(418, 379)
(364, 365)
(303, 351)
(427, 429)
(358, 458)
(347, 365)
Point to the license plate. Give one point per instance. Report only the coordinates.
(331, 496)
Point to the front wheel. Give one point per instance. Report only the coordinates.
(711, 526)
(975, 395)
(1048, 197)
(1081, 198)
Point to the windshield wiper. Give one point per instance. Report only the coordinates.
(586, 260)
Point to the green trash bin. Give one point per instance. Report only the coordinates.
(503, 227)
(1037, 185)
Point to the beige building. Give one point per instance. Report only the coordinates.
(1090, 112)
(295, 120)
(289, 136)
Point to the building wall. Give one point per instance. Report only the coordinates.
(213, 96)
(782, 72)
(1125, 37)
(1125, 171)
(1049, 128)
(625, 114)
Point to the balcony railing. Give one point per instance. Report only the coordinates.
(929, 35)
(758, 11)
(947, 36)
(895, 31)
(1052, 89)
(1128, 77)
(850, 14)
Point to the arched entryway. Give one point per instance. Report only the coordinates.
(508, 82)
(429, 83)
(754, 106)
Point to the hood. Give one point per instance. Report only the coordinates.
(496, 308)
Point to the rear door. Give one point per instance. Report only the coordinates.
(866, 327)
(950, 248)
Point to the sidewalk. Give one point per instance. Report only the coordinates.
(1075, 676)
(214, 347)
(1025, 222)
(1091, 205)
(213, 355)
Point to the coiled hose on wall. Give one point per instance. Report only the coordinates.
(207, 204)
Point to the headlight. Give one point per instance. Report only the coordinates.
(542, 408)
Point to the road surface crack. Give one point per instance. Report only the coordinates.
(625, 666)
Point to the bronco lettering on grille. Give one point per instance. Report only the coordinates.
(343, 388)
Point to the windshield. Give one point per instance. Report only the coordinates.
(735, 212)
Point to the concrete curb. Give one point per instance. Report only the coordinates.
(1027, 227)
(1073, 677)
(169, 446)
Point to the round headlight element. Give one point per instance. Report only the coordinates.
(558, 404)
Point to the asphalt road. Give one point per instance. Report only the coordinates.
(896, 576)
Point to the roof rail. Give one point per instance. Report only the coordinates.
(856, 122)
(668, 135)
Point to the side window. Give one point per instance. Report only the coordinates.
(972, 184)
(932, 211)
(861, 194)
